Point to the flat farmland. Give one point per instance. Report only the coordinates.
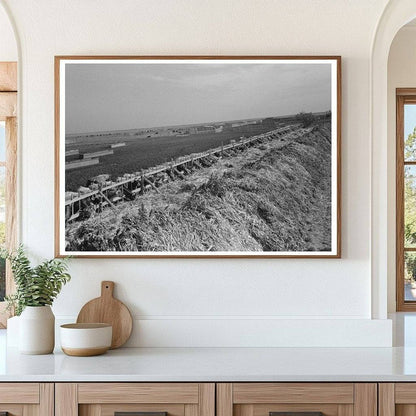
(142, 153)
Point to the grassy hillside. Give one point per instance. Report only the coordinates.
(273, 197)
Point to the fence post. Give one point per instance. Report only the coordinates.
(142, 183)
(101, 199)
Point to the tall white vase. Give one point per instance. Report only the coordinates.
(37, 330)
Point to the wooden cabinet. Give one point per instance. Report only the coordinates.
(27, 399)
(208, 399)
(106, 399)
(297, 399)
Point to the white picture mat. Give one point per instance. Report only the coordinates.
(334, 152)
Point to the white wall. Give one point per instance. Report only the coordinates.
(8, 47)
(179, 302)
(401, 74)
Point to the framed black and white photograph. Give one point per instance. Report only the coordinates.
(196, 156)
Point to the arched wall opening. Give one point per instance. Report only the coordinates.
(401, 73)
(396, 15)
(9, 149)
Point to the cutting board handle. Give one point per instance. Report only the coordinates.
(107, 289)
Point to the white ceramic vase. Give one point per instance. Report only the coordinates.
(37, 330)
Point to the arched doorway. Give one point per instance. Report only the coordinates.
(8, 149)
(396, 14)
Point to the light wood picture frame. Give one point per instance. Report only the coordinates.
(198, 156)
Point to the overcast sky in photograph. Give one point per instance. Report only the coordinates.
(101, 97)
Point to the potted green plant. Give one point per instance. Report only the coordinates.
(36, 289)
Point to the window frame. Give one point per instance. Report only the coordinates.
(8, 114)
(403, 96)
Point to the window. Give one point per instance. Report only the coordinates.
(8, 171)
(406, 199)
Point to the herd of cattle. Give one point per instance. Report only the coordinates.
(101, 192)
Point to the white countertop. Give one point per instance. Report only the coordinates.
(214, 364)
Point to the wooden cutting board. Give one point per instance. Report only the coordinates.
(107, 309)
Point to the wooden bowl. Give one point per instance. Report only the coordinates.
(85, 340)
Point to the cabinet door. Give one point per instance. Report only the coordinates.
(144, 399)
(297, 399)
(26, 399)
(397, 399)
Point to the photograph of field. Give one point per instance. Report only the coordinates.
(188, 157)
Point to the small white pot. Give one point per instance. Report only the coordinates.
(37, 330)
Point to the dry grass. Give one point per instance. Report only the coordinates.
(273, 197)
